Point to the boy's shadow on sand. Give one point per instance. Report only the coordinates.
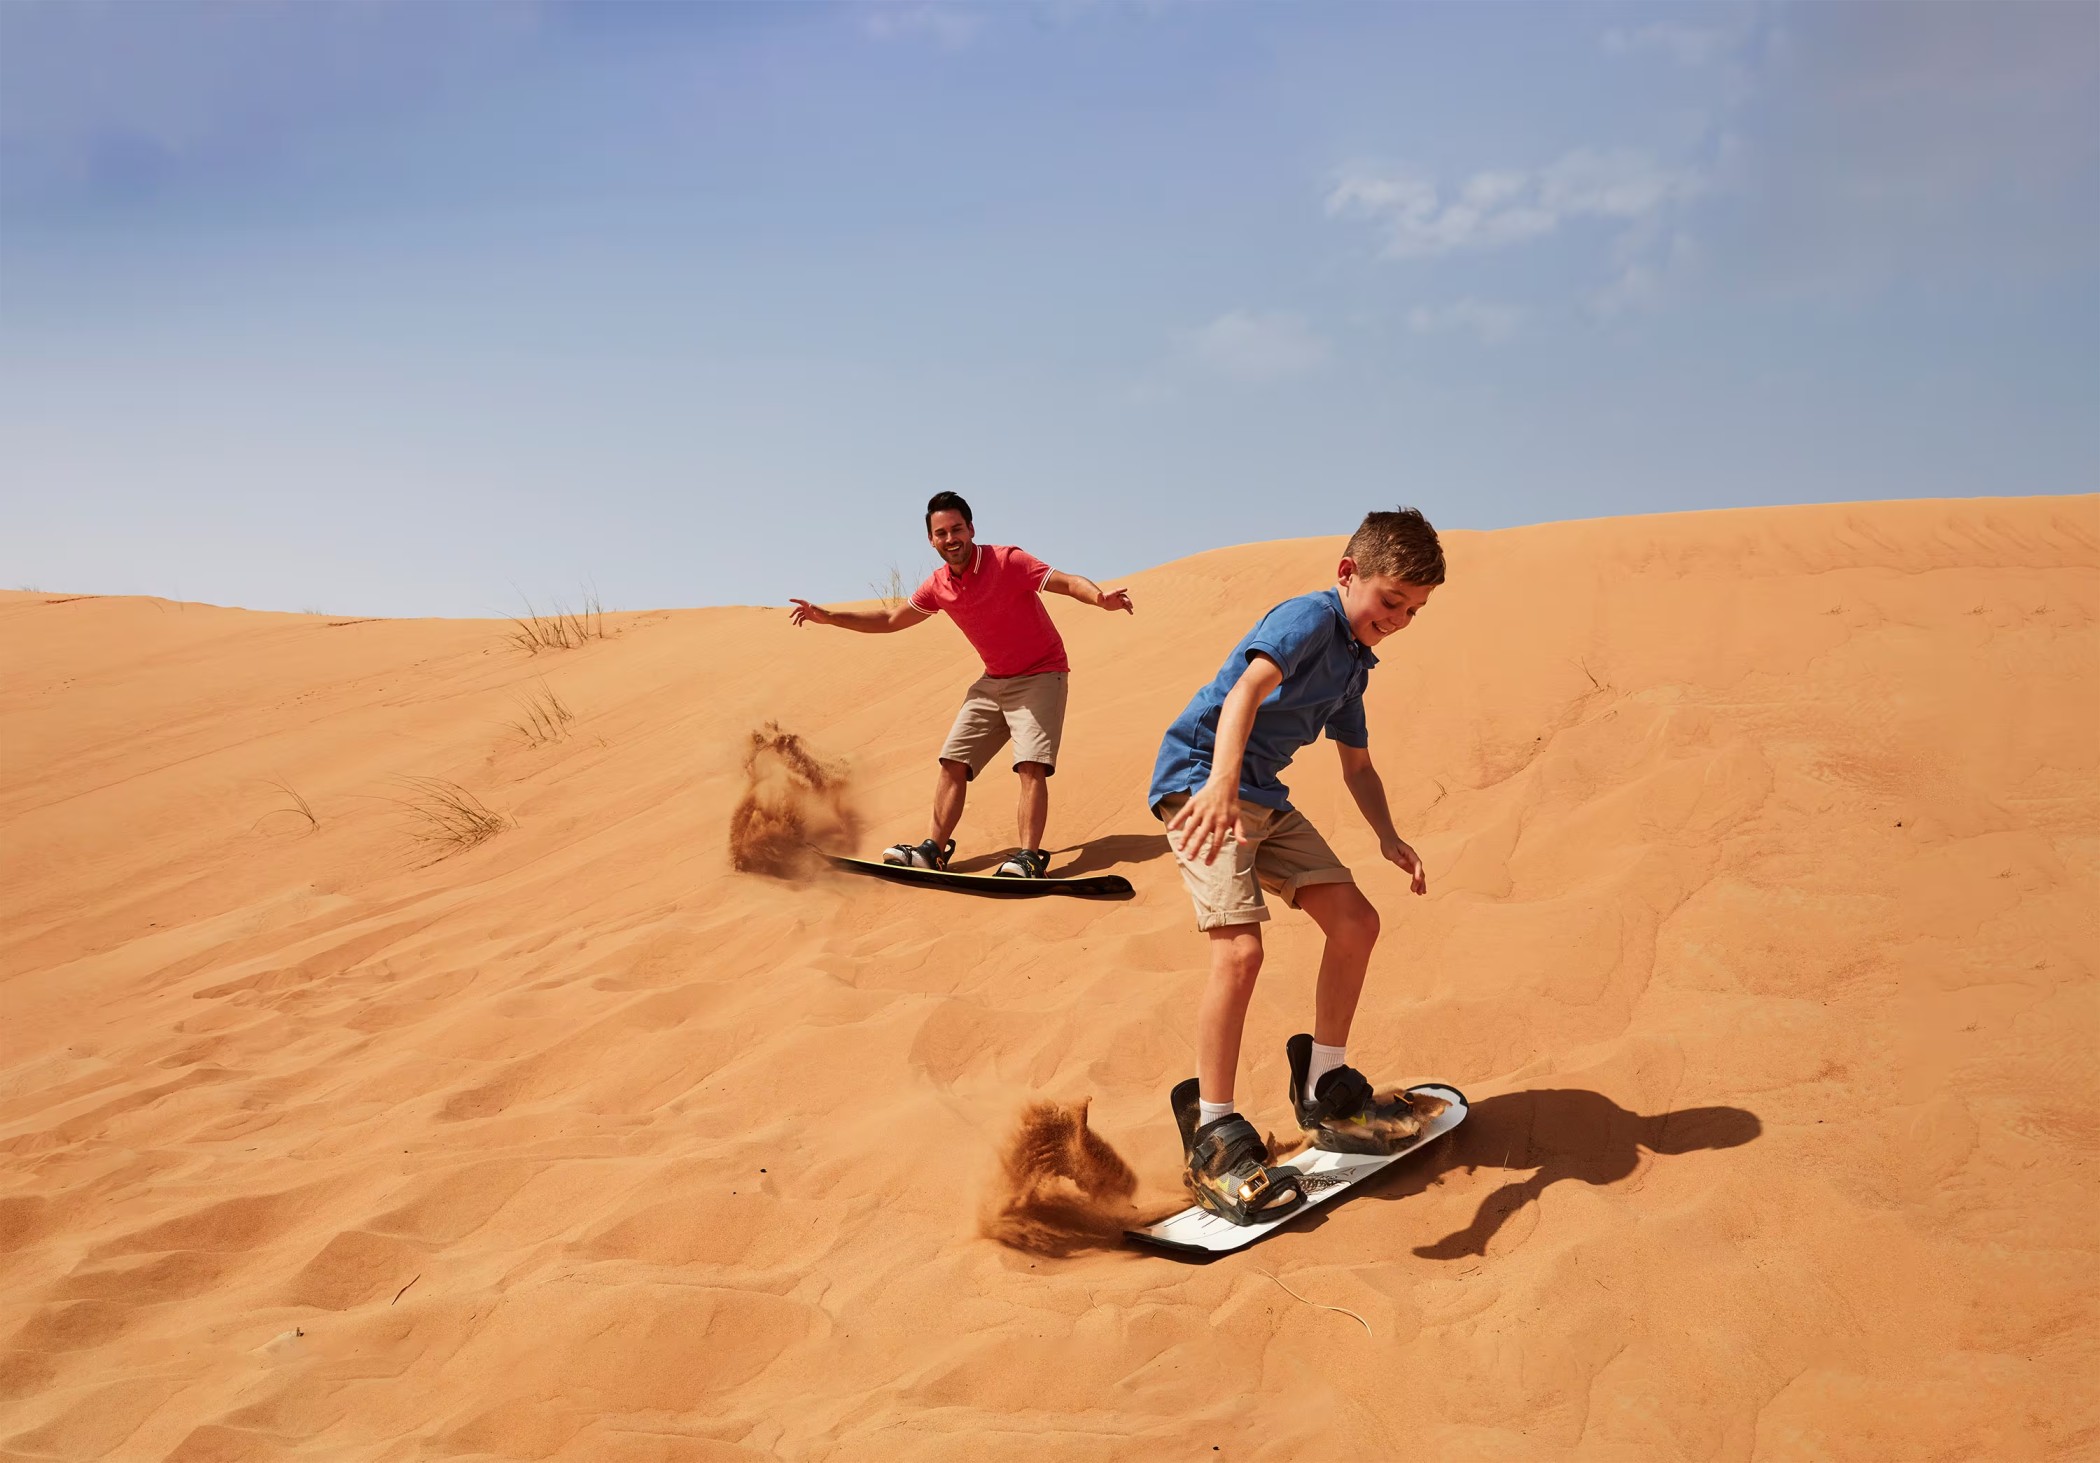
(1559, 1133)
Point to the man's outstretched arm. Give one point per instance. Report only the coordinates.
(868, 622)
(1088, 593)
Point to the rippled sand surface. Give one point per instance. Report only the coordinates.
(1764, 855)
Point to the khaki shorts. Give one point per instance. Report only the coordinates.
(1029, 709)
(1282, 852)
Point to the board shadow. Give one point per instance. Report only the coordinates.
(1560, 1134)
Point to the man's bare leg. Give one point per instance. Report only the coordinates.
(1235, 962)
(1350, 923)
(1033, 814)
(949, 792)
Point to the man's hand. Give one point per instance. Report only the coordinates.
(805, 613)
(1117, 599)
(1396, 851)
(1208, 822)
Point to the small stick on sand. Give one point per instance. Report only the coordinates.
(404, 1291)
(1352, 1315)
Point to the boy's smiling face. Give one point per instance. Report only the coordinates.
(1378, 605)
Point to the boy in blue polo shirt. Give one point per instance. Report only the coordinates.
(1299, 671)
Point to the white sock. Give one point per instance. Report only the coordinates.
(1324, 1060)
(1212, 1111)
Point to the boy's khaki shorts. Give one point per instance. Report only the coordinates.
(1282, 852)
(1029, 709)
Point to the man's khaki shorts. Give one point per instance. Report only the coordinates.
(1029, 709)
(1282, 852)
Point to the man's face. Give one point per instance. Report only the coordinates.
(952, 538)
(1379, 605)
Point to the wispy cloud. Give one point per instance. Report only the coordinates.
(1687, 45)
(1491, 210)
(119, 98)
(952, 27)
(1253, 346)
(1489, 321)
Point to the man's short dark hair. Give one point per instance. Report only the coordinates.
(947, 503)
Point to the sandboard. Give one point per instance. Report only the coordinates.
(1093, 886)
(1328, 1176)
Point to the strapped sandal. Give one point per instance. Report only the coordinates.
(1346, 1116)
(923, 855)
(1228, 1165)
(1025, 863)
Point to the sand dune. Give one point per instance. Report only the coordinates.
(1764, 854)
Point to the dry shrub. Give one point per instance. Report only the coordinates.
(447, 815)
(791, 802)
(891, 589)
(295, 806)
(546, 717)
(1061, 1188)
(561, 628)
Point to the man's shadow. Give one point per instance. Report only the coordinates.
(1097, 854)
(1562, 1133)
(1093, 856)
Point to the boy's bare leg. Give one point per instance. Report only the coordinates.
(1235, 962)
(1033, 815)
(1350, 923)
(949, 791)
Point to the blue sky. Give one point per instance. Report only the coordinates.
(398, 308)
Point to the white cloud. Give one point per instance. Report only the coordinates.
(1250, 346)
(1648, 273)
(952, 27)
(1492, 210)
(1687, 45)
(1491, 322)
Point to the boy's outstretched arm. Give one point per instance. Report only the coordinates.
(1089, 593)
(1211, 816)
(868, 622)
(1368, 788)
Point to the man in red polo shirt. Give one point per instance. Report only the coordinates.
(994, 594)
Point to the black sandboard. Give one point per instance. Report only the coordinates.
(1091, 886)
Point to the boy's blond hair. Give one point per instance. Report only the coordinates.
(1400, 543)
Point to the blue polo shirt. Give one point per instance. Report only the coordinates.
(1324, 673)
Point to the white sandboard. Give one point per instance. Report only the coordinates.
(1328, 1176)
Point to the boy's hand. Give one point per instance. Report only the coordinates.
(805, 613)
(1117, 599)
(1208, 822)
(1396, 851)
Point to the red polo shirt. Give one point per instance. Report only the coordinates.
(997, 603)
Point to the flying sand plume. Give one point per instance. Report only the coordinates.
(1060, 1187)
(792, 801)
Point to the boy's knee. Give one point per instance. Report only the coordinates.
(1240, 957)
(1365, 921)
(1350, 918)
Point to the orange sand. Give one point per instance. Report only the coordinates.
(1764, 855)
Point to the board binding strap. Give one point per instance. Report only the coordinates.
(1198, 1234)
(999, 886)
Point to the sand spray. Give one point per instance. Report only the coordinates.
(792, 800)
